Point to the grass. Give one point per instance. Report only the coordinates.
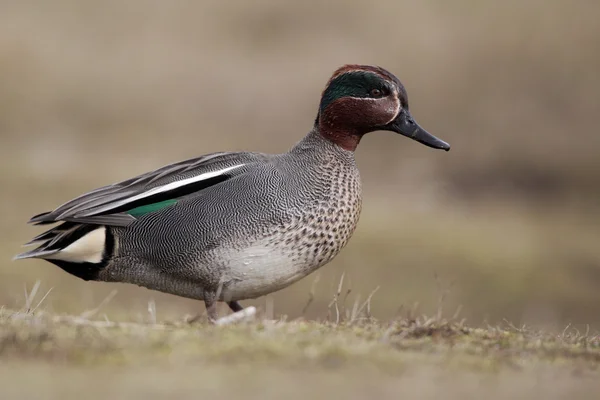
(266, 358)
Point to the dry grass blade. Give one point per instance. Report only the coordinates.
(355, 307)
(41, 301)
(29, 296)
(311, 294)
(367, 304)
(336, 297)
(443, 293)
(90, 313)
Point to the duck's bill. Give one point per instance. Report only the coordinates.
(404, 124)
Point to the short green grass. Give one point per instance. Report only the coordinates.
(43, 355)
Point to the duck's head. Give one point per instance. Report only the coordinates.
(359, 99)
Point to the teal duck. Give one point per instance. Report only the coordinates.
(231, 226)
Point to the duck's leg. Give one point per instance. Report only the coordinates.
(235, 306)
(210, 301)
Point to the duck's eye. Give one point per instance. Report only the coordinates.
(376, 93)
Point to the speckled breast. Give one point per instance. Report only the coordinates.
(312, 238)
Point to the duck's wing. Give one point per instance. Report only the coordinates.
(119, 204)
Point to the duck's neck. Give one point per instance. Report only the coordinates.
(316, 141)
(344, 137)
(340, 137)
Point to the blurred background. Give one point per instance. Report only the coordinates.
(505, 226)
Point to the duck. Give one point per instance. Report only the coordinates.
(233, 226)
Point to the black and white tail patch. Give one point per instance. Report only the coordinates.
(81, 250)
(89, 248)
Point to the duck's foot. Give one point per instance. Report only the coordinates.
(213, 316)
(246, 314)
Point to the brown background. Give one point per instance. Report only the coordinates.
(506, 225)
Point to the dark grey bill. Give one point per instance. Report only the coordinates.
(404, 124)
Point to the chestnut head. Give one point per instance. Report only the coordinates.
(359, 99)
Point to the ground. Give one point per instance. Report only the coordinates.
(47, 356)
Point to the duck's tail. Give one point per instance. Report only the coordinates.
(79, 249)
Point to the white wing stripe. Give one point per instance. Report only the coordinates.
(160, 189)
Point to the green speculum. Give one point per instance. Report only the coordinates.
(149, 208)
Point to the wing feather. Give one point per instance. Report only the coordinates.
(105, 205)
